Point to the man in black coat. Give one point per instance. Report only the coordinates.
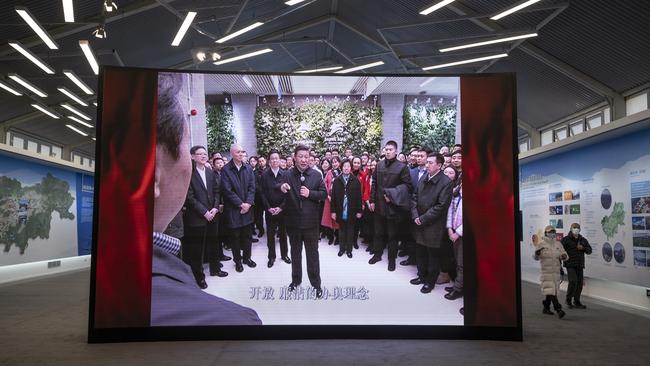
(389, 173)
(222, 241)
(202, 217)
(576, 246)
(429, 213)
(272, 200)
(304, 189)
(238, 191)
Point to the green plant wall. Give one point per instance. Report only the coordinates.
(321, 125)
(220, 127)
(429, 126)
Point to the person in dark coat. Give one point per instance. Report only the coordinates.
(222, 238)
(304, 189)
(407, 247)
(272, 201)
(258, 211)
(175, 297)
(346, 206)
(429, 213)
(202, 217)
(238, 191)
(576, 247)
(389, 174)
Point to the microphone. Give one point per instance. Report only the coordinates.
(302, 184)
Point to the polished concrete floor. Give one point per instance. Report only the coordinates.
(44, 322)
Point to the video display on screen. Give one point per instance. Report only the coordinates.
(246, 200)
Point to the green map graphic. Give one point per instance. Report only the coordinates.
(612, 222)
(26, 212)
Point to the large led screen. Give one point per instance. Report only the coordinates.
(261, 206)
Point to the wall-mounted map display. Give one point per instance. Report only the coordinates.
(607, 194)
(40, 211)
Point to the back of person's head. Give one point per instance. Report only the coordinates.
(171, 115)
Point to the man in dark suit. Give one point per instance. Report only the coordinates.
(389, 173)
(222, 238)
(175, 297)
(272, 201)
(429, 213)
(304, 189)
(238, 191)
(417, 173)
(202, 217)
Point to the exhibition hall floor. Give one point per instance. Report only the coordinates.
(355, 292)
(44, 322)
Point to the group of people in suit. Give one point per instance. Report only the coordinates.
(219, 209)
(408, 206)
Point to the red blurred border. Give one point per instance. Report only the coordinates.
(489, 225)
(126, 163)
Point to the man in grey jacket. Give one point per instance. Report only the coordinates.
(429, 212)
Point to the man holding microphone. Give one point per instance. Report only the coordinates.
(304, 190)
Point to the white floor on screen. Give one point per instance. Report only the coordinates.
(392, 300)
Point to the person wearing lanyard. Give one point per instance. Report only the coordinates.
(455, 231)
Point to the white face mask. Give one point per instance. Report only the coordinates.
(575, 231)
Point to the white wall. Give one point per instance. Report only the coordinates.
(195, 100)
(393, 123)
(243, 109)
(18, 272)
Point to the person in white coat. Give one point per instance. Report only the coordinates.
(550, 253)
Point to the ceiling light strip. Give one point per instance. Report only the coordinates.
(75, 111)
(90, 56)
(68, 11)
(46, 111)
(31, 57)
(27, 85)
(80, 121)
(72, 96)
(189, 18)
(73, 128)
(465, 62)
(435, 7)
(75, 79)
(362, 67)
(485, 43)
(36, 27)
(244, 56)
(239, 32)
(514, 9)
(8, 88)
(322, 69)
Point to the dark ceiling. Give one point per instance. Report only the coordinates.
(587, 52)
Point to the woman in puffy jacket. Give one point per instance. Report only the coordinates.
(550, 253)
